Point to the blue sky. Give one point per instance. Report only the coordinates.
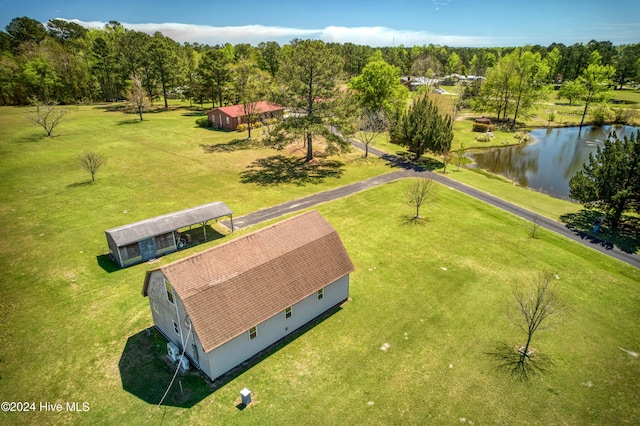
(470, 23)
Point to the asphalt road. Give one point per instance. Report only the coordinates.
(406, 169)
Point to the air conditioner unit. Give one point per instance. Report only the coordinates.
(173, 352)
(184, 364)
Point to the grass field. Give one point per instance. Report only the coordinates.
(72, 329)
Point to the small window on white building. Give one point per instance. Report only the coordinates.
(287, 312)
(175, 328)
(320, 294)
(169, 291)
(253, 333)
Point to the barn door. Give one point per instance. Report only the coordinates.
(148, 249)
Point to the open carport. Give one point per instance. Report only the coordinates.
(149, 238)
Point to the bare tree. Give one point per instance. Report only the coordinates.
(136, 96)
(91, 162)
(370, 125)
(47, 115)
(535, 224)
(533, 311)
(419, 192)
(460, 155)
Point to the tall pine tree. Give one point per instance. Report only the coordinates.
(423, 129)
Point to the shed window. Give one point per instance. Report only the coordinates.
(130, 251)
(239, 120)
(164, 241)
(321, 294)
(227, 120)
(169, 291)
(287, 312)
(213, 118)
(253, 333)
(175, 328)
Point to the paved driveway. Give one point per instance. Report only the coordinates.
(405, 170)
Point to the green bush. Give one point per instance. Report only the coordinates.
(257, 124)
(203, 122)
(483, 138)
(481, 127)
(626, 115)
(241, 127)
(602, 114)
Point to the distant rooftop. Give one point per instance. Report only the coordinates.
(260, 107)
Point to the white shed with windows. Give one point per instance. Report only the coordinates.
(228, 303)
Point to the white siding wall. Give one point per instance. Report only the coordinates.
(163, 311)
(239, 349)
(164, 314)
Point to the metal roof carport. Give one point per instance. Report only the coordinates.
(147, 229)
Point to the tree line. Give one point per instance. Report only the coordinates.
(63, 62)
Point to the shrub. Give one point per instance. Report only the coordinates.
(483, 138)
(482, 128)
(242, 127)
(522, 136)
(625, 115)
(203, 122)
(257, 124)
(602, 114)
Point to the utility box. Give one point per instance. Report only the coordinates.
(245, 394)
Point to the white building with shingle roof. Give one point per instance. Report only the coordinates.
(228, 303)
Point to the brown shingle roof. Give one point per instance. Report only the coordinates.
(238, 285)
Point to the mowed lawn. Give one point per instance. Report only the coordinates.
(436, 294)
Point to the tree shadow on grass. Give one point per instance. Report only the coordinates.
(34, 138)
(195, 112)
(626, 237)
(510, 360)
(234, 145)
(407, 160)
(411, 220)
(279, 169)
(129, 121)
(115, 107)
(80, 184)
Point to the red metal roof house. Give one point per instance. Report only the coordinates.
(228, 117)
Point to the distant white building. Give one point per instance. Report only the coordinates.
(226, 304)
(414, 83)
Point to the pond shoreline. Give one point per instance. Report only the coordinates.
(548, 159)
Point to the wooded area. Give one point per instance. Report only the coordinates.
(66, 63)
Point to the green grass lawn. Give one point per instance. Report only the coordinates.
(436, 293)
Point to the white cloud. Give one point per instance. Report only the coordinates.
(254, 34)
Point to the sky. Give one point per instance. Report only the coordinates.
(455, 23)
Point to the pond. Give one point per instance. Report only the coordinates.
(550, 159)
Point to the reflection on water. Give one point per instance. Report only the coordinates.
(550, 159)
